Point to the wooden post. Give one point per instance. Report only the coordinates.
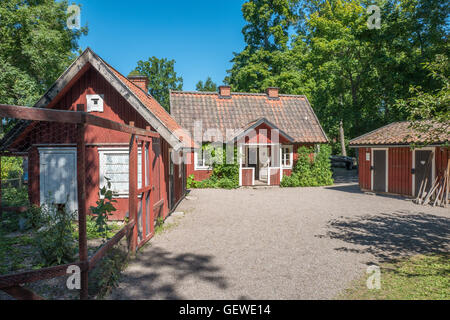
(81, 182)
(342, 138)
(150, 183)
(143, 185)
(1, 204)
(132, 193)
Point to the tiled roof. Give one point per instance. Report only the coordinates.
(155, 108)
(165, 124)
(399, 133)
(291, 114)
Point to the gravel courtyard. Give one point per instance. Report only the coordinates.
(272, 243)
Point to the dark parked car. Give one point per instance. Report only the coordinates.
(343, 162)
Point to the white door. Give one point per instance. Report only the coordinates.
(264, 161)
(58, 177)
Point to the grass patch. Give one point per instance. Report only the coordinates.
(17, 253)
(416, 278)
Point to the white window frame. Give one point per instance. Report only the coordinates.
(291, 156)
(58, 150)
(104, 151)
(203, 167)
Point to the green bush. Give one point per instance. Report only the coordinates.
(311, 172)
(15, 197)
(55, 241)
(224, 176)
(104, 209)
(11, 168)
(106, 275)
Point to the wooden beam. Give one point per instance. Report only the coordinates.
(16, 279)
(108, 245)
(82, 212)
(50, 115)
(21, 293)
(132, 191)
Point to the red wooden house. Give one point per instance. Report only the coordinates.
(101, 90)
(388, 164)
(267, 129)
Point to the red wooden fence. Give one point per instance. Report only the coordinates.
(12, 284)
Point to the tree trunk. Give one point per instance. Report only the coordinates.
(342, 138)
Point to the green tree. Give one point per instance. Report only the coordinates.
(35, 48)
(266, 34)
(348, 71)
(162, 78)
(207, 86)
(435, 105)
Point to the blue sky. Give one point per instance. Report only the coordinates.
(199, 35)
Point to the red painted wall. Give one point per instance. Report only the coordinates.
(442, 156)
(400, 176)
(275, 177)
(116, 109)
(400, 165)
(199, 175)
(365, 181)
(247, 177)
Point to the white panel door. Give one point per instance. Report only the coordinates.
(58, 176)
(264, 162)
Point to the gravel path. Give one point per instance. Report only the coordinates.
(273, 243)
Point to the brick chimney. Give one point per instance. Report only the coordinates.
(225, 92)
(140, 81)
(273, 93)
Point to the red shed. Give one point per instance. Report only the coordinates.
(388, 163)
(267, 128)
(101, 90)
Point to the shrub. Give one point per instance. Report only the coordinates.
(15, 197)
(11, 168)
(106, 274)
(104, 209)
(310, 172)
(224, 175)
(55, 241)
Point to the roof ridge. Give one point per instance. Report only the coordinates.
(139, 88)
(235, 93)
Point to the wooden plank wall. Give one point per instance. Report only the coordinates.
(364, 169)
(400, 176)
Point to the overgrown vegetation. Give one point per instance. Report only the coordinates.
(105, 207)
(416, 278)
(55, 240)
(350, 72)
(311, 171)
(224, 175)
(11, 168)
(106, 275)
(15, 197)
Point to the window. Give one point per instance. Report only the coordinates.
(114, 166)
(287, 156)
(201, 163)
(94, 102)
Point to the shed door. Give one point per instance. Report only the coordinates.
(423, 169)
(156, 177)
(379, 170)
(58, 177)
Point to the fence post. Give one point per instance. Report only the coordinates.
(81, 182)
(1, 204)
(132, 190)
